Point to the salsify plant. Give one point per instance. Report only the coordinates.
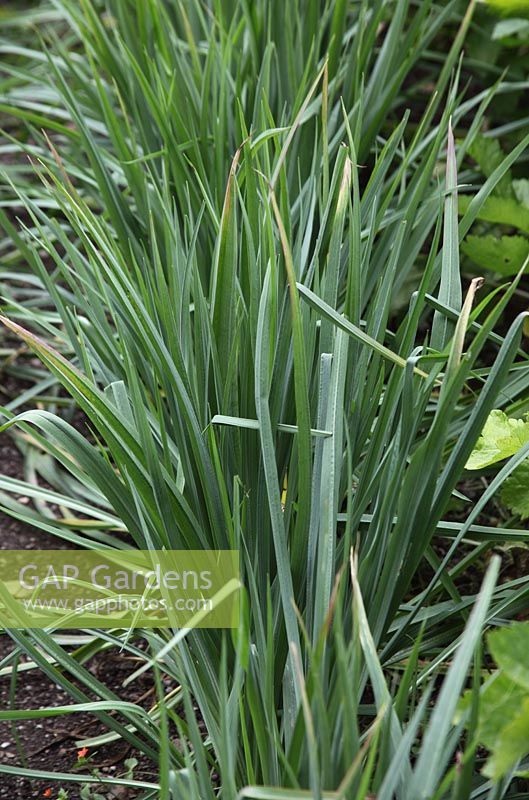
(238, 255)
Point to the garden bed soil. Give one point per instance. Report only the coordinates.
(50, 744)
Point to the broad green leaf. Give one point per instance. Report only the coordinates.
(487, 153)
(511, 744)
(500, 701)
(503, 210)
(501, 438)
(510, 649)
(503, 726)
(515, 491)
(505, 255)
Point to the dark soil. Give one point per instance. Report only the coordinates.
(50, 744)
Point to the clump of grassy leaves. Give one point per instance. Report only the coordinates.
(222, 202)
